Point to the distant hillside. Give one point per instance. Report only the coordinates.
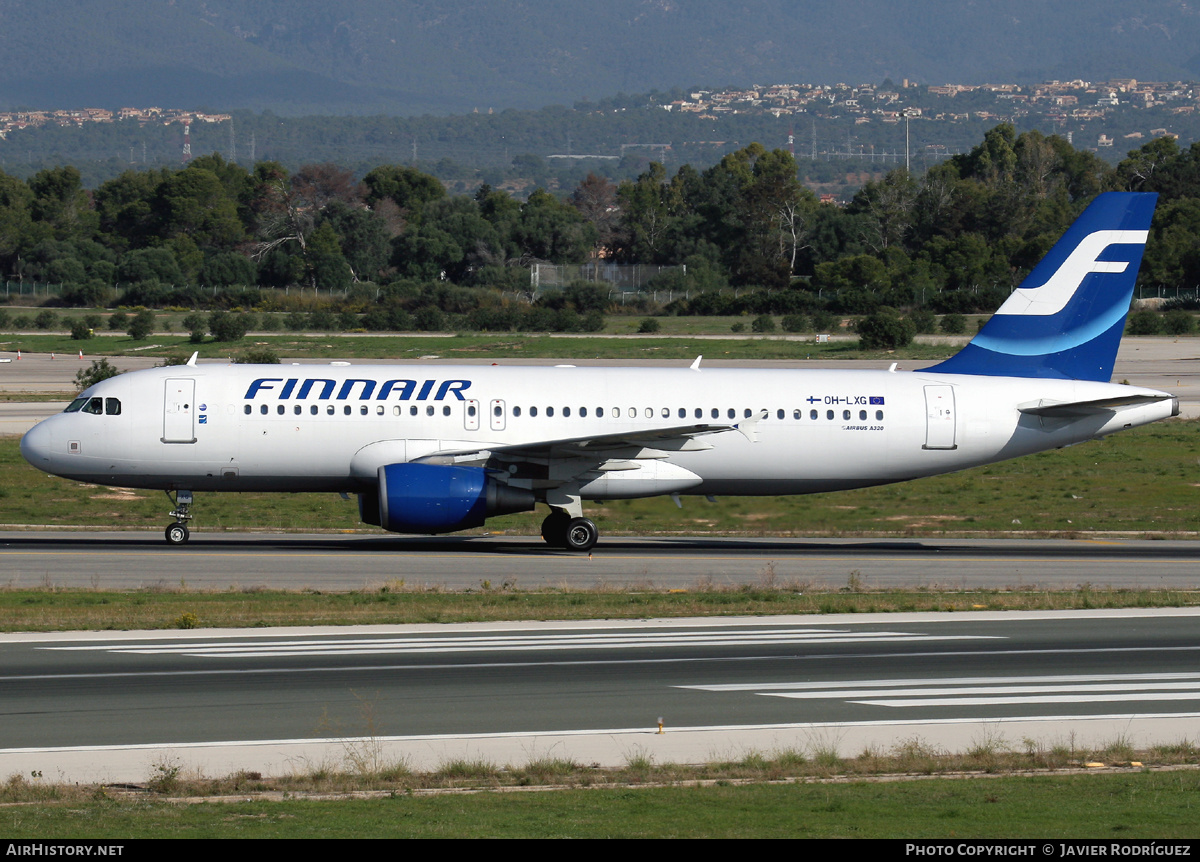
(441, 56)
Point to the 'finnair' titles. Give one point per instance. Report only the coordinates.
(436, 449)
(323, 389)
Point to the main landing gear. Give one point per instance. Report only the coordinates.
(177, 533)
(560, 530)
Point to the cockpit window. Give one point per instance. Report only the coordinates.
(76, 405)
(112, 406)
(94, 405)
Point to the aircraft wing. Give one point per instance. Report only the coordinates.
(595, 447)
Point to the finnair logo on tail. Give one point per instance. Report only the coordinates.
(1053, 296)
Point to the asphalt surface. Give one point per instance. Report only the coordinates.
(112, 706)
(349, 562)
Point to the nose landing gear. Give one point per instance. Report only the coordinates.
(177, 533)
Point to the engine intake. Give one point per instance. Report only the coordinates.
(431, 498)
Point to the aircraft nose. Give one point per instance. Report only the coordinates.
(37, 445)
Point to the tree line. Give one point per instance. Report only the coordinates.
(404, 253)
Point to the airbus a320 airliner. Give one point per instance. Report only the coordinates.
(435, 449)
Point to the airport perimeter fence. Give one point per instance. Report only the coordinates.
(36, 290)
(622, 277)
(1163, 292)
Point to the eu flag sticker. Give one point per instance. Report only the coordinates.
(876, 399)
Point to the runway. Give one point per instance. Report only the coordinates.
(114, 706)
(133, 560)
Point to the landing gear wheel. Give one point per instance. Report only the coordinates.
(177, 534)
(581, 535)
(554, 529)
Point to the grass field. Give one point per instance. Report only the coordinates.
(1141, 482)
(1129, 804)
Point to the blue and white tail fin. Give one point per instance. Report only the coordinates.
(1066, 318)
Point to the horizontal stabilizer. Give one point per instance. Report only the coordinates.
(1049, 408)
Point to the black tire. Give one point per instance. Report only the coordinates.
(177, 534)
(554, 529)
(581, 535)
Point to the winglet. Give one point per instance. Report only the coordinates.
(749, 427)
(1066, 319)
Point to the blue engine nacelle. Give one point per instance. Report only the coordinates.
(432, 498)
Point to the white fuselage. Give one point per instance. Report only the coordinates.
(329, 428)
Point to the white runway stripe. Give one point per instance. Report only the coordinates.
(983, 691)
(493, 643)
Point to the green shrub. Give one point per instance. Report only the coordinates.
(1178, 322)
(954, 324)
(1144, 323)
(924, 321)
(794, 323)
(885, 330)
(257, 356)
(142, 325)
(45, 319)
(763, 323)
(100, 369)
